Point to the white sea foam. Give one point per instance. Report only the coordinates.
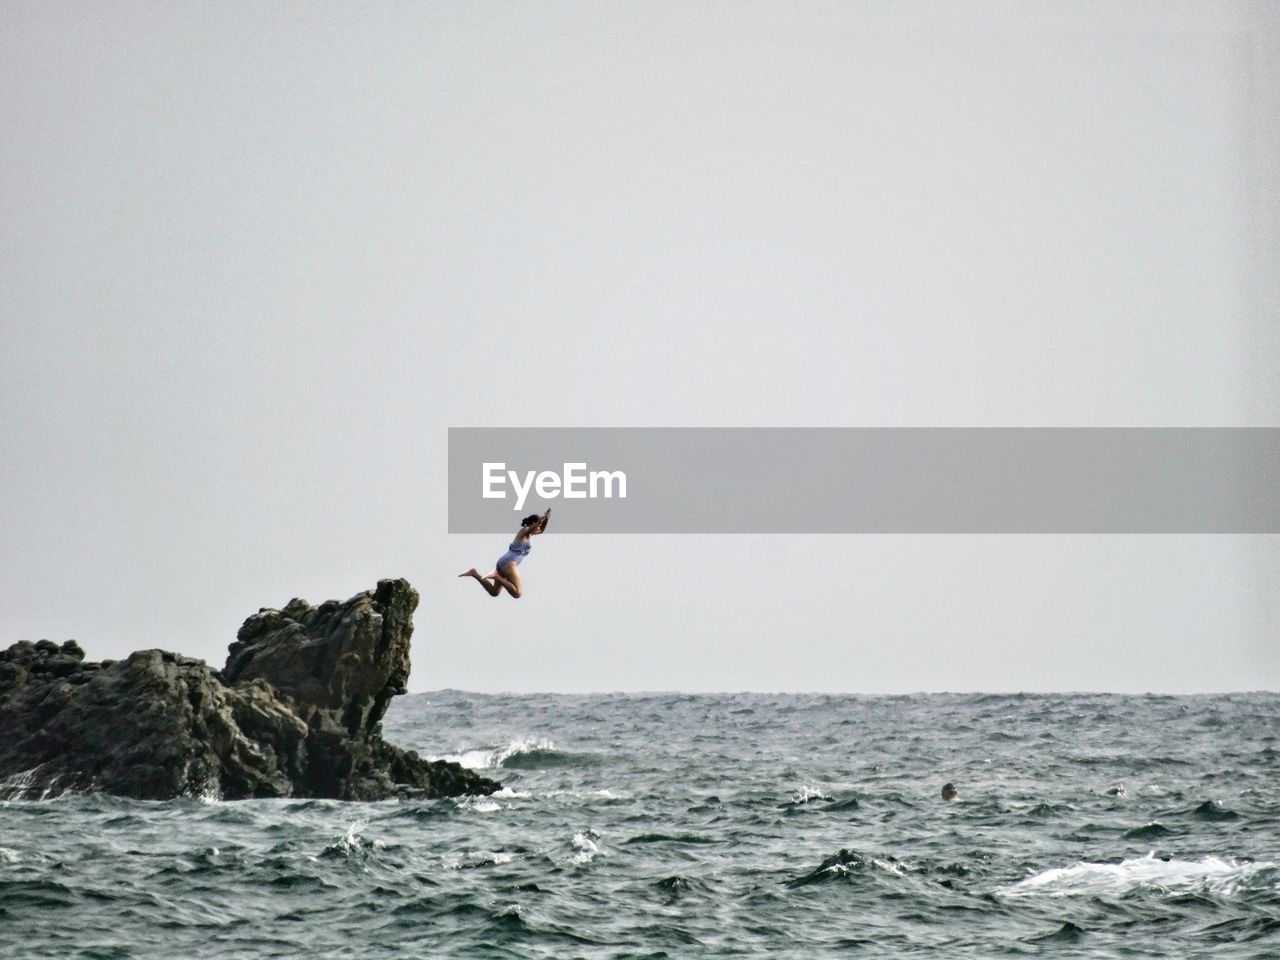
(840, 868)
(518, 747)
(51, 789)
(31, 784)
(807, 794)
(1217, 875)
(603, 793)
(479, 804)
(210, 793)
(486, 758)
(585, 843)
(471, 759)
(509, 792)
(18, 786)
(899, 868)
(353, 840)
(481, 859)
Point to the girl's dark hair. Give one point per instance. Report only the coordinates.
(530, 520)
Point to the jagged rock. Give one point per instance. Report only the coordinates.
(296, 711)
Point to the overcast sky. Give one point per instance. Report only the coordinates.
(256, 258)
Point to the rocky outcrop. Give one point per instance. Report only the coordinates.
(296, 711)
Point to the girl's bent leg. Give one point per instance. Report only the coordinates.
(492, 588)
(508, 578)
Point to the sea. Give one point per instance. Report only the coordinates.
(725, 825)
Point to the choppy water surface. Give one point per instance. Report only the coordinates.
(681, 826)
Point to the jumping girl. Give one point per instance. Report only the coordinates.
(505, 576)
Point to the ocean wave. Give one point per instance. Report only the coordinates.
(423, 810)
(657, 843)
(845, 864)
(848, 803)
(1156, 790)
(1213, 812)
(36, 893)
(546, 755)
(1217, 875)
(352, 844)
(483, 858)
(1149, 831)
(526, 754)
(674, 887)
(603, 793)
(806, 795)
(1244, 929)
(1047, 811)
(480, 759)
(584, 842)
(33, 785)
(479, 804)
(1067, 933)
(672, 838)
(512, 793)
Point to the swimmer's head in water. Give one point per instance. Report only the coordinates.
(949, 792)
(530, 520)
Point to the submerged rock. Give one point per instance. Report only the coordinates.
(296, 711)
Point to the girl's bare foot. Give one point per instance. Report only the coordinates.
(470, 573)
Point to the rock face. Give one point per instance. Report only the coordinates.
(296, 711)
